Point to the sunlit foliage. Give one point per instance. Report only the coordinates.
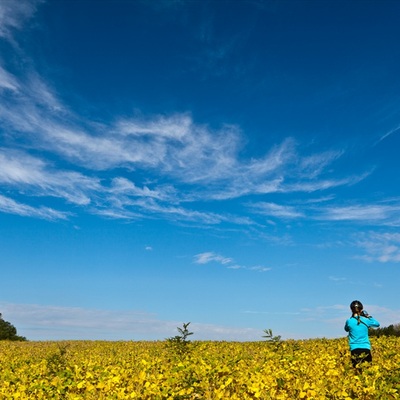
(310, 369)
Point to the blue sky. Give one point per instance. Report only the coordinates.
(229, 163)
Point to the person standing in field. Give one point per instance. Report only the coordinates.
(357, 326)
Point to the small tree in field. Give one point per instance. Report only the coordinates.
(8, 331)
(180, 343)
(270, 337)
(183, 334)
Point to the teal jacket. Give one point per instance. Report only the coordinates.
(358, 331)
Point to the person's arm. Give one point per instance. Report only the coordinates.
(346, 327)
(373, 322)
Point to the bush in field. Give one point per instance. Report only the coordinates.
(270, 337)
(183, 334)
(179, 343)
(8, 331)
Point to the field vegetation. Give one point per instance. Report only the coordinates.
(275, 370)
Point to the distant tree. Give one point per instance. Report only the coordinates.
(391, 330)
(8, 331)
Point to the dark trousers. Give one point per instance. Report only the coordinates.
(359, 356)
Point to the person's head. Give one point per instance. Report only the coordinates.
(356, 307)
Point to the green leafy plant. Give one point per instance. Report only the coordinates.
(270, 337)
(179, 343)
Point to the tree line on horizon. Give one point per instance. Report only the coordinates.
(391, 330)
(8, 331)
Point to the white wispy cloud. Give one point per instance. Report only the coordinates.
(13, 14)
(276, 210)
(389, 133)
(11, 206)
(258, 268)
(177, 213)
(380, 213)
(272, 312)
(337, 279)
(178, 147)
(208, 257)
(380, 247)
(46, 322)
(42, 94)
(121, 186)
(7, 80)
(312, 166)
(315, 185)
(25, 172)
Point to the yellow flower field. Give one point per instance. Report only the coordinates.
(309, 369)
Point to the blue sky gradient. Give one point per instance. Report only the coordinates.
(229, 163)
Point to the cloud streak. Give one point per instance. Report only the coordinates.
(211, 257)
(27, 173)
(379, 214)
(207, 257)
(276, 210)
(389, 133)
(13, 14)
(46, 322)
(382, 213)
(10, 206)
(380, 247)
